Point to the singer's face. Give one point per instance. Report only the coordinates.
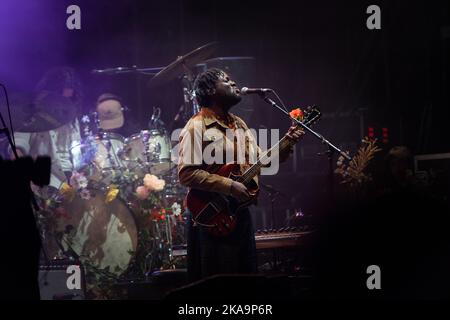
(227, 94)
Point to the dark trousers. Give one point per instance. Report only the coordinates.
(209, 255)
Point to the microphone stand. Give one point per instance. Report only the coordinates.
(273, 194)
(331, 147)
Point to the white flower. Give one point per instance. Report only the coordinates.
(82, 182)
(152, 183)
(176, 209)
(85, 119)
(78, 180)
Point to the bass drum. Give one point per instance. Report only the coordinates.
(103, 234)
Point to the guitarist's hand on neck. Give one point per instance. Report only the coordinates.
(294, 133)
(240, 191)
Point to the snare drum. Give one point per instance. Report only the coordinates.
(147, 152)
(98, 156)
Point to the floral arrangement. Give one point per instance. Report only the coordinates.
(151, 202)
(79, 182)
(151, 183)
(353, 174)
(155, 215)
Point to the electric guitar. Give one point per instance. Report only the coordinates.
(218, 212)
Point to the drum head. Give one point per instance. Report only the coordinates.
(98, 157)
(102, 234)
(147, 152)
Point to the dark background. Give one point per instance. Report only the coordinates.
(311, 52)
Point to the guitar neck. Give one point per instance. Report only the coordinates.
(281, 145)
(313, 115)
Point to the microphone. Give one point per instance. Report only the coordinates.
(245, 90)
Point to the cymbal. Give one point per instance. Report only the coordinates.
(178, 67)
(43, 113)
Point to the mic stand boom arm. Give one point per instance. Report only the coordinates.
(331, 146)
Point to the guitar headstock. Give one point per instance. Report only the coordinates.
(311, 114)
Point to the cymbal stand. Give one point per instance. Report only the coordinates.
(42, 230)
(190, 103)
(169, 237)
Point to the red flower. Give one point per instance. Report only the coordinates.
(297, 114)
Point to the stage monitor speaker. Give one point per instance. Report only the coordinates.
(62, 282)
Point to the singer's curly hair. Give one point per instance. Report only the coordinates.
(204, 85)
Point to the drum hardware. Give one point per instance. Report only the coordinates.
(191, 106)
(42, 235)
(159, 256)
(96, 120)
(147, 152)
(155, 122)
(112, 156)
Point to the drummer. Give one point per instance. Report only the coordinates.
(56, 143)
(111, 117)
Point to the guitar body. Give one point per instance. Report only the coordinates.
(215, 211)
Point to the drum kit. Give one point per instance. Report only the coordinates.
(100, 216)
